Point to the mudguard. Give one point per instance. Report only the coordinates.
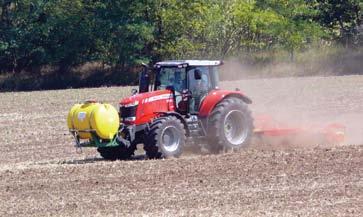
(216, 96)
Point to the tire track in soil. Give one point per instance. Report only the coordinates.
(319, 182)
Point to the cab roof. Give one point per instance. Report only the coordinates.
(185, 63)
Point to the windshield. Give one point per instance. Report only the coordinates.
(171, 77)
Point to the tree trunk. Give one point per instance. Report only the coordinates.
(292, 55)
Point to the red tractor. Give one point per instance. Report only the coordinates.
(182, 102)
(179, 103)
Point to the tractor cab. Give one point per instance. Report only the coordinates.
(189, 80)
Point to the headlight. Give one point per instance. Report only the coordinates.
(131, 104)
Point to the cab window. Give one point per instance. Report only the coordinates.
(204, 82)
(171, 76)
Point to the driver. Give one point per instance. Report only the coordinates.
(179, 84)
(179, 81)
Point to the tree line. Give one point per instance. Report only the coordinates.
(120, 34)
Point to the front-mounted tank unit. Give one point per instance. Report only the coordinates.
(178, 103)
(93, 121)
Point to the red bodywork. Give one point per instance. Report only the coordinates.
(149, 104)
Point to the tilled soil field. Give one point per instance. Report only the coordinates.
(41, 174)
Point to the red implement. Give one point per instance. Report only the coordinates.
(267, 127)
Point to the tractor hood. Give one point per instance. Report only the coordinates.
(143, 98)
(144, 107)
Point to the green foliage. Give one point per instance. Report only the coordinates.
(121, 34)
(341, 17)
(44, 32)
(216, 29)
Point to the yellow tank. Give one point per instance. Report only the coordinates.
(99, 117)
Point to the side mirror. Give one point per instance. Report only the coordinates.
(144, 80)
(197, 75)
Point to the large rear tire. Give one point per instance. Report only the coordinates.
(230, 126)
(165, 138)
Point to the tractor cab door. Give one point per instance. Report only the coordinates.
(199, 84)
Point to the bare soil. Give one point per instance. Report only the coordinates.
(42, 175)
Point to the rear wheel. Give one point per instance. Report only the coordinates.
(230, 126)
(165, 138)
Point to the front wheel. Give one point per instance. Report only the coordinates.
(230, 126)
(165, 138)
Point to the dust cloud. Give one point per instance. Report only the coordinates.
(313, 62)
(308, 104)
